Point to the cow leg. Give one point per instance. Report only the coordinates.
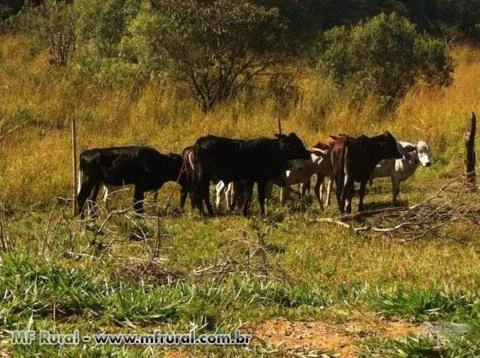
(231, 195)
(361, 194)
(138, 198)
(106, 193)
(183, 196)
(239, 194)
(268, 190)
(205, 193)
(248, 197)
(92, 200)
(329, 192)
(340, 192)
(395, 190)
(350, 192)
(306, 187)
(220, 191)
(318, 190)
(83, 195)
(193, 199)
(261, 197)
(284, 194)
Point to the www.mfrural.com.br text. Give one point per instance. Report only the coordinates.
(43, 337)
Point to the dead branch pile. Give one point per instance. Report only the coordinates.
(451, 203)
(246, 253)
(149, 271)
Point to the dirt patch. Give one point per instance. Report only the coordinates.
(341, 338)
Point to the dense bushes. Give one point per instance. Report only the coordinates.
(216, 48)
(384, 57)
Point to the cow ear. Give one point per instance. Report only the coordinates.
(410, 148)
(280, 136)
(293, 135)
(386, 134)
(334, 137)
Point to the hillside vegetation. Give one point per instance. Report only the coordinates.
(41, 100)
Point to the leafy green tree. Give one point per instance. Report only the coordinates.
(103, 23)
(384, 56)
(215, 47)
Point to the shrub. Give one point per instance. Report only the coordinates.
(385, 57)
(103, 23)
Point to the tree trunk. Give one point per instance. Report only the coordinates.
(470, 175)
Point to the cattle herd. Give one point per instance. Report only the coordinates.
(235, 166)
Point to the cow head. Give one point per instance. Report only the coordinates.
(178, 167)
(292, 147)
(389, 146)
(423, 151)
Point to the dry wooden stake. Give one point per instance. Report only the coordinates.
(470, 152)
(74, 167)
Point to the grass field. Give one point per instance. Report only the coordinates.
(298, 286)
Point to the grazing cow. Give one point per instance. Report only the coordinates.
(401, 169)
(143, 167)
(255, 161)
(354, 160)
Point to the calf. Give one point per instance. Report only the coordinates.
(354, 160)
(301, 171)
(401, 169)
(255, 161)
(143, 167)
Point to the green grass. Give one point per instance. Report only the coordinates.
(309, 272)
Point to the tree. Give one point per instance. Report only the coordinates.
(385, 57)
(57, 25)
(215, 47)
(103, 23)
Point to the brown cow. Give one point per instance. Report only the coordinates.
(354, 159)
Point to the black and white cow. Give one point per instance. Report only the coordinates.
(401, 169)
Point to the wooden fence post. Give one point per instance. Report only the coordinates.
(74, 167)
(279, 123)
(470, 159)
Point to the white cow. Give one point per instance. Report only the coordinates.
(301, 171)
(401, 169)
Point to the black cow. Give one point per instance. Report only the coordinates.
(143, 167)
(255, 161)
(354, 159)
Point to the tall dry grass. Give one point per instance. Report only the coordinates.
(35, 159)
